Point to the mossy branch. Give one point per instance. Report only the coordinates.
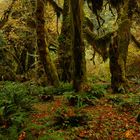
(99, 43)
(135, 41)
(55, 6)
(6, 14)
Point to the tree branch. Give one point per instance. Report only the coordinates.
(100, 44)
(57, 9)
(6, 14)
(135, 41)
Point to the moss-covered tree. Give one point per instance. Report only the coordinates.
(65, 49)
(119, 48)
(45, 58)
(118, 43)
(78, 44)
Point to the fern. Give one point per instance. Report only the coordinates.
(15, 107)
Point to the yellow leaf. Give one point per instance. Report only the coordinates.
(129, 134)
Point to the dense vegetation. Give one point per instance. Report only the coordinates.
(69, 69)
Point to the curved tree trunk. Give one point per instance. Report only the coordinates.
(65, 49)
(78, 47)
(45, 58)
(118, 51)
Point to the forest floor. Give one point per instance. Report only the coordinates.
(112, 117)
(65, 115)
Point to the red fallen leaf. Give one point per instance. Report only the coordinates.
(58, 103)
(137, 137)
(22, 136)
(83, 133)
(37, 116)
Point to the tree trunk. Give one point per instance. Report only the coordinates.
(118, 52)
(21, 68)
(77, 44)
(45, 58)
(65, 49)
(31, 53)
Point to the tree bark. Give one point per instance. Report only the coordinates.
(45, 58)
(21, 68)
(118, 51)
(78, 47)
(65, 69)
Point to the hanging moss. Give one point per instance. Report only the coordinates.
(95, 4)
(116, 3)
(101, 43)
(88, 23)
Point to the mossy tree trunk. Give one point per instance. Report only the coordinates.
(31, 58)
(45, 58)
(118, 51)
(21, 68)
(78, 47)
(65, 48)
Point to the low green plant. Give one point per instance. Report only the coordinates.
(91, 97)
(115, 100)
(51, 137)
(98, 90)
(81, 99)
(15, 106)
(65, 118)
(130, 103)
(39, 90)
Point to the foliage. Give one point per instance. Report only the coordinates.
(65, 118)
(125, 104)
(49, 90)
(15, 105)
(98, 90)
(113, 116)
(2, 41)
(89, 98)
(51, 137)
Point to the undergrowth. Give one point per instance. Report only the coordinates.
(15, 107)
(87, 98)
(50, 90)
(68, 116)
(65, 117)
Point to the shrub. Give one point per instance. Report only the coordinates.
(98, 91)
(66, 117)
(15, 106)
(39, 90)
(81, 99)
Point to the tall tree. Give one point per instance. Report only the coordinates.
(119, 49)
(45, 58)
(65, 48)
(78, 47)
